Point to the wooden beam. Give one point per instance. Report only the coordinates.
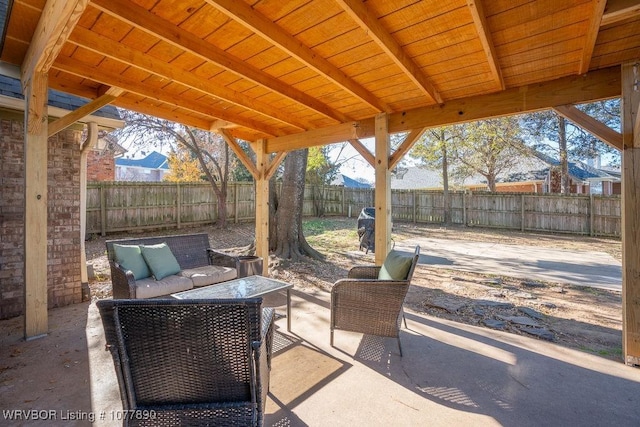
(591, 125)
(480, 20)
(620, 10)
(262, 206)
(382, 191)
(631, 214)
(595, 19)
(134, 58)
(593, 86)
(360, 13)
(69, 119)
(150, 23)
(222, 124)
(364, 152)
(317, 137)
(404, 148)
(112, 79)
(261, 25)
(35, 207)
(57, 20)
(275, 162)
(239, 152)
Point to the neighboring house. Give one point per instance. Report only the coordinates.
(583, 179)
(101, 161)
(540, 174)
(151, 168)
(348, 182)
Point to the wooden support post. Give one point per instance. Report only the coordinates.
(382, 189)
(631, 213)
(262, 205)
(35, 204)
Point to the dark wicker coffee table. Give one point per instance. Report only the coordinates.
(245, 287)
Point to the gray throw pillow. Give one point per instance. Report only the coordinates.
(160, 260)
(130, 258)
(395, 267)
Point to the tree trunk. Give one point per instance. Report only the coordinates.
(289, 239)
(565, 186)
(222, 208)
(491, 183)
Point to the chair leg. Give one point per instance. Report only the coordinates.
(399, 346)
(404, 319)
(331, 338)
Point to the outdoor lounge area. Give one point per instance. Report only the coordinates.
(450, 374)
(271, 78)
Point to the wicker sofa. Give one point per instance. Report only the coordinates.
(198, 264)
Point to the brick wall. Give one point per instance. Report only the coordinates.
(101, 166)
(63, 225)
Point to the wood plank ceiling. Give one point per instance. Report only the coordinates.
(264, 69)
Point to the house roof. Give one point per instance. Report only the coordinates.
(154, 160)
(12, 88)
(578, 171)
(281, 69)
(528, 169)
(348, 182)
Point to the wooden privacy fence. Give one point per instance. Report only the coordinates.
(126, 206)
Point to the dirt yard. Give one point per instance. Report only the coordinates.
(582, 318)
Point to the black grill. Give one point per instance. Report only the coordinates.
(366, 229)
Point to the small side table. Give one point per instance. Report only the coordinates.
(249, 266)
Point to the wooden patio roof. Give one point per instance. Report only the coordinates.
(297, 73)
(265, 69)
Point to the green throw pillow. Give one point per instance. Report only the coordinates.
(395, 267)
(160, 260)
(130, 258)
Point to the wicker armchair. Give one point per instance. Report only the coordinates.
(190, 362)
(363, 303)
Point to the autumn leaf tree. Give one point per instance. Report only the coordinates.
(183, 167)
(209, 150)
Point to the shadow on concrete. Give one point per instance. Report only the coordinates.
(523, 384)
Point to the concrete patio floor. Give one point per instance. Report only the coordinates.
(451, 374)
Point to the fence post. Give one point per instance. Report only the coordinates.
(235, 203)
(415, 198)
(178, 206)
(103, 212)
(591, 215)
(464, 207)
(522, 212)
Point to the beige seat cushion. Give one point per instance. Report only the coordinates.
(209, 274)
(151, 288)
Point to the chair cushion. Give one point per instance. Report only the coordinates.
(130, 258)
(150, 288)
(160, 260)
(209, 274)
(396, 266)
